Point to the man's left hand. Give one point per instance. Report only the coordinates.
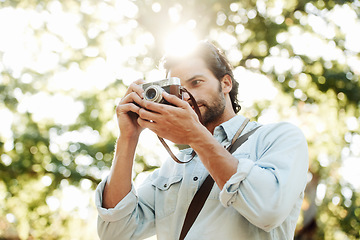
(177, 123)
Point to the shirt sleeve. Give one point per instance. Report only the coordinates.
(269, 181)
(131, 218)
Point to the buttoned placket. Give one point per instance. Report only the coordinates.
(197, 170)
(198, 174)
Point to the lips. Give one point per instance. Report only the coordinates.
(199, 104)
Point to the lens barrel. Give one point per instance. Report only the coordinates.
(154, 93)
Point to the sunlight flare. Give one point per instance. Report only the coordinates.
(180, 42)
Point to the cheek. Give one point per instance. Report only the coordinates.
(194, 93)
(187, 97)
(206, 94)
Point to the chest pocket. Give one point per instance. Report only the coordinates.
(166, 194)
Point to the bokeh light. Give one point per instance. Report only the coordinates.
(65, 65)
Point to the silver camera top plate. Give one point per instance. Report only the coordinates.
(163, 83)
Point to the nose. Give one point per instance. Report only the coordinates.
(186, 96)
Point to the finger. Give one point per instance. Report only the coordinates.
(139, 81)
(144, 123)
(156, 107)
(132, 97)
(128, 107)
(136, 87)
(151, 125)
(149, 115)
(175, 100)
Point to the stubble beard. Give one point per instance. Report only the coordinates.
(213, 111)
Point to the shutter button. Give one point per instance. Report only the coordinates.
(195, 178)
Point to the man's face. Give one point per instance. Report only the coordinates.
(204, 86)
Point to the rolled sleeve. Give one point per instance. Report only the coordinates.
(124, 208)
(269, 182)
(230, 189)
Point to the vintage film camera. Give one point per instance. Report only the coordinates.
(153, 91)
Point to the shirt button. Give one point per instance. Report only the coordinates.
(165, 185)
(195, 178)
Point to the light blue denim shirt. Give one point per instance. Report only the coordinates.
(262, 200)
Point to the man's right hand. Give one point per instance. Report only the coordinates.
(118, 184)
(127, 111)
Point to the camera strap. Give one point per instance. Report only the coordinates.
(197, 110)
(193, 102)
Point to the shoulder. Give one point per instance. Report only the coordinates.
(283, 140)
(280, 132)
(280, 128)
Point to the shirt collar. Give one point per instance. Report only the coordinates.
(227, 129)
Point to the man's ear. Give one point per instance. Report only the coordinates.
(226, 84)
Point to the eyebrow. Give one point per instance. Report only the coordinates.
(194, 77)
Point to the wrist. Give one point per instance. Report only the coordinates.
(199, 137)
(126, 145)
(128, 138)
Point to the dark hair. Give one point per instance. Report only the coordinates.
(216, 62)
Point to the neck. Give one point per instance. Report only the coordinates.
(226, 116)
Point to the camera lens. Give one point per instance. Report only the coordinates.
(153, 93)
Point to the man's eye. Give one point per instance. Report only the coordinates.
(195, 82)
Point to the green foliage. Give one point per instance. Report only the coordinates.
(101, 46)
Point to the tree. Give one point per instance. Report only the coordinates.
(58, 129)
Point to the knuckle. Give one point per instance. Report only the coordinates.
(133, 87)
(132, 94)
(119, 107)
(147, 104)
(139, 81)
(131, 97)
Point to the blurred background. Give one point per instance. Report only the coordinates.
(64, 65)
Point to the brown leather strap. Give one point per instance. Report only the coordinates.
(194, 104)
(196, 205)
(172, 155)
(239, 131)
(202, 194)
(241, 140)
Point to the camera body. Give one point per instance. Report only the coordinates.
(153, 91)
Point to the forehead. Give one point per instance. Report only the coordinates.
(189, 68)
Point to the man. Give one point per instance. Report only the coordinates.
(258, 189)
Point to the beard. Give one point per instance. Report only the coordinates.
(213, 110)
